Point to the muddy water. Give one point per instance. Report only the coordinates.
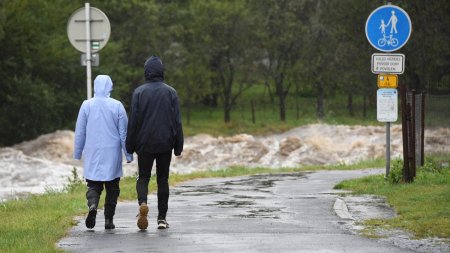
(46, 162)
(316, 144)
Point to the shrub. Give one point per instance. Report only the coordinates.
(396, 173)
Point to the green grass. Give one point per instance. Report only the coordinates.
(423, 207)
(210, 120)
(36, 223)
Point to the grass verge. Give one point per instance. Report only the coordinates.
(36, 223)
(422, 207)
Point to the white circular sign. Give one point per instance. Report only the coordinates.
(99, 26)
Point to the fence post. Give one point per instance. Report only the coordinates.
(422, 134)
(405, 116)
(412, 135)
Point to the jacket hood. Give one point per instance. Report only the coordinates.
(102, 86)
(154, 69)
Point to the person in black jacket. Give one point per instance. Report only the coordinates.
(154, 130)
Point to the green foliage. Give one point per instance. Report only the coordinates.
(74, 182)
(396, 172)
(38, 83)
(432, 166)
(302, 54)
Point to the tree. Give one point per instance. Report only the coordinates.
(38, 91)
(345, 21)
(428, 49)
(226, 33)
(283, 26)
(319, 55)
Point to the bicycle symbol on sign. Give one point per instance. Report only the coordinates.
(389, 40)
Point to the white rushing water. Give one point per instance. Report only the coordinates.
(46, 162)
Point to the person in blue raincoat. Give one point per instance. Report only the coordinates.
(100, 134)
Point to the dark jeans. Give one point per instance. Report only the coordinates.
(94, 191)
(145, 164)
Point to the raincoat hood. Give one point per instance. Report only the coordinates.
(154, 69)
(102, 86)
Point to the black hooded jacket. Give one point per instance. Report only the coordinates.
(155, 122)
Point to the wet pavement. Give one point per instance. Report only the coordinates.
(261, 213)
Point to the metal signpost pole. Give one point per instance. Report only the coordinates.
(388, 148)
(388, 138)
(88, 50)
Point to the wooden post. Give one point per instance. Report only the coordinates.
(406, 172)
(253, 112)
(412, 135)
(422, 134)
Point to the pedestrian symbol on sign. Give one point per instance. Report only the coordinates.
(383, 41)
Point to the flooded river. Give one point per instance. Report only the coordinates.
(46, 162)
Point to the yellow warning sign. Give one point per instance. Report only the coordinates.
(387, 81)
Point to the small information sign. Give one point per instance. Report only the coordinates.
(387, 81)
(95, 59)
(387, 105)
(388, 63)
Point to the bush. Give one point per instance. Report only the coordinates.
(396, 173)
(432, 166)
(75, 182)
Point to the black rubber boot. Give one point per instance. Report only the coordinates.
(90, 219)
(109, 223)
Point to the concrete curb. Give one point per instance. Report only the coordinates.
(340, 207)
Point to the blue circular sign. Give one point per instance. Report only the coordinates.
(388, 28)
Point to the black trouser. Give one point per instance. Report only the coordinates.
(145, 164)
(94, 191)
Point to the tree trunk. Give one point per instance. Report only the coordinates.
(253, 112)
(364, 106)
(188, 113)
(282, 107)
(227, 114)
(281, 96)
(320, 97)
(227, 102)
(350, 104)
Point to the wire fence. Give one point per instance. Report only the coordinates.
(437, 110)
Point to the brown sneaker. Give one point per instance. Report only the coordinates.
(142, 221)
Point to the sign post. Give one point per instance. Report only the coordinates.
(88, 30)
(388, 28)
(87, 14)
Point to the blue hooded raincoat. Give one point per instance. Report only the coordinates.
(100, 133)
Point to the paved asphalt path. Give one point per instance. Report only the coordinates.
(261, 213)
